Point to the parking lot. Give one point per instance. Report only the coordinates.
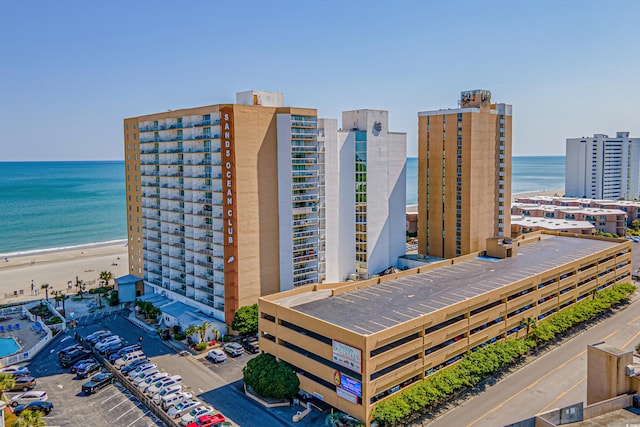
(110, 406)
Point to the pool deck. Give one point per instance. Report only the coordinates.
(25, 337)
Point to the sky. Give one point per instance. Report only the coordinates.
(71, 71)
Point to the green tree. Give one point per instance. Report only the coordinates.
(200, 330)
(45, 286)
(270, 378)
(105, 277)
(245, 320)
(7, 382)
(528, 323)
(29, 418)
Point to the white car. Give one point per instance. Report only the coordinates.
(182, 408)
(217, 356)
(107, 342)
(16, 370)
(155, 388)
(194, 414)
(28, 397)
(166, 391)
(143, 375)
(148, 382)
(140, 369)
(170, 401)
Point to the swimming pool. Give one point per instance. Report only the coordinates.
(8, 346)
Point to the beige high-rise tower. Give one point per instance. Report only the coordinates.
(464, 176)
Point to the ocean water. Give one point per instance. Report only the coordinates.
(46, 205)
(529, 173)
(60, 204)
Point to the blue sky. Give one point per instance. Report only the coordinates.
(71, 71)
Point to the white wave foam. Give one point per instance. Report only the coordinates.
(63, 248)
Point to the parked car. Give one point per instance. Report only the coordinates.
(94, 339)
(105, 343)
(174, 399)
(233, 349)
(148, 382)
(195, 414)
(251, 345)
(133, 364)
(62, 353)
(74, 357)
(155, 388)
(165, 391)
(141, 368)
(28, 397)
(123, 351)
(16, 371)
(182, 408)
(44, 407)
(216, 356)
(127, 359)
(87, 369)
(137, 379)
(111, 348)
(97, 382)
(209, 420)
(95, 334)
(23, 384)
(79, 363)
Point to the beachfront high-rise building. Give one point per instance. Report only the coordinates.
(365, 176)
(602, 167)
(464, 175)
(224, 201)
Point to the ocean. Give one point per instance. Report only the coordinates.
(47, 205)
(51, 205)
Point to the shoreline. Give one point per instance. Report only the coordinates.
(33, 252)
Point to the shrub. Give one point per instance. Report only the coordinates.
(474, 367)
(53, 321)
(179, 336)
(201, 346)
(113, 298)
(270, 378)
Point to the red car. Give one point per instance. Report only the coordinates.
(207, 421)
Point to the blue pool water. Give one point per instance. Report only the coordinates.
(8, 346)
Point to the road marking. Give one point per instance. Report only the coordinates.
(125, 413)
(109, 398)
(537, 381)
(631, 339)
(141, 416)
(123, 401)
(561, 395)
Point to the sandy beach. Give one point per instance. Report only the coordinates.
(58, 268)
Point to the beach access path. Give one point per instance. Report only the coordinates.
(59, 269)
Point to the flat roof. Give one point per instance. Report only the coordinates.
(377, 307)
(549, 223)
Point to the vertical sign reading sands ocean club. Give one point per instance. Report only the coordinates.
(229, 212)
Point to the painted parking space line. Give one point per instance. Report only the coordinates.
(109, 398)
(125, 413)
(140, 417)
(123, 401)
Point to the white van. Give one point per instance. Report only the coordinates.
(142, 375)
(166, 391)
(174, 399)
(155, 388)
(128, 358)
(149, 381)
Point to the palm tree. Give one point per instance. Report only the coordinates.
(45, 286)
(529, 322)
(58, 296)
(29, 418)
(7, 382)
(105, 277)
(201, 330)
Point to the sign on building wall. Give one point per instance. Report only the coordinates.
(347, 356)
(348, 384)
(229, 213)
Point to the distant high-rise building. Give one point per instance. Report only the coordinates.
(464, 176)
(365, 176)
(223, 201)
(603, 168)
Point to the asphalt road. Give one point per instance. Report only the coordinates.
(553, 380)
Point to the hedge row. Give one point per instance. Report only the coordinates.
(473, 367)
(583, 310)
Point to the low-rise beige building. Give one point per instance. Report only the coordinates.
(354, 344)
